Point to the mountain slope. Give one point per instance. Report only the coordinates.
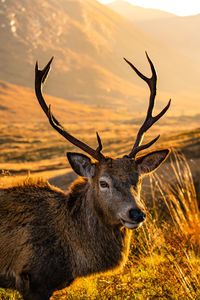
(180, 32)
(88, 41)
(137, 13)
(19, 105)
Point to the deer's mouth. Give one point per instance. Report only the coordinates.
(130, 225)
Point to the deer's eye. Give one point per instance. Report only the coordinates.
(104, 184)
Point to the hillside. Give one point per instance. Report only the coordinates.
(19, 105)
(178, 32)
(137, 13)
(88, 41)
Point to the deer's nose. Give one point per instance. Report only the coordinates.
(136, 215)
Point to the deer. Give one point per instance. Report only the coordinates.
(49, 237)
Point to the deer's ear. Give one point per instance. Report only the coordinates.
(151, 161)
(81, 164)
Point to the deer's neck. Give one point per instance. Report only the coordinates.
(96, 246)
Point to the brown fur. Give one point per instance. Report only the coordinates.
(63, 233)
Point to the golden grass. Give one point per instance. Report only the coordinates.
(181, 200)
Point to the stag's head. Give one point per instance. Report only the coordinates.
(114, 182)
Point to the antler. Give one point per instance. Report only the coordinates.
(150, 120)
(40, 77)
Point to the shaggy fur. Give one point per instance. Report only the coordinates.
(47, 237)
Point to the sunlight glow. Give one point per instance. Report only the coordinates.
(181, 8)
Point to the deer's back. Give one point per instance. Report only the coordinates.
(30, 216)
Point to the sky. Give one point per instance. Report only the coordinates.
(181, 8)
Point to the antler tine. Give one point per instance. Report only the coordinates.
(40, 77)
(94, 153)
(99, 148)
(149, 120)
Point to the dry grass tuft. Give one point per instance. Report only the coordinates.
(8, 181)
